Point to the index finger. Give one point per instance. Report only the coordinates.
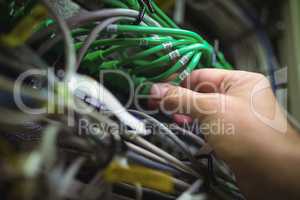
(206, 80)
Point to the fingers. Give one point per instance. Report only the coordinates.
(185, 103)
(207, 80)
(177, 100)
(181, 119)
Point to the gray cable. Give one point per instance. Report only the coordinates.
(87, 17)
(94, 34)
(146, 153)
(69, 45)
(188, 133)
(169, 133)
(147, 145)
(184, 131)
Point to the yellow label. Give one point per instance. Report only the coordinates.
(23, 30)
(134, 174)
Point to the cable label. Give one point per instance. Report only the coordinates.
(168, 45)
(174, 55)
(183, 75)
(156, 37)
(184, 60)
(112, 28)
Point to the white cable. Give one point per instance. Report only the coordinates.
(189, 194)
(45, 156)
(68, 177)
(48, 146)
(100, 93)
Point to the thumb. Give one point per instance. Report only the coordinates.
(178, 100)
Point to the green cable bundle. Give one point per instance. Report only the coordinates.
(147, 45)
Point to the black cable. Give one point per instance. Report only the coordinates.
(141, 16)
(211, 178)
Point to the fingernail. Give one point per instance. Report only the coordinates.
(158, 91)
(182, 119)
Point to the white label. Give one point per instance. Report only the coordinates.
(156, 37)
(174, 55)
(184, 60)
(184, 74)
(168, 45)
(112, 28)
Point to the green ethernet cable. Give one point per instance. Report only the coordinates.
(146, 52)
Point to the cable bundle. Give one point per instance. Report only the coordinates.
(107, 161)
(142, 41)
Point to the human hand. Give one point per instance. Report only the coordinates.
(241, 120)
